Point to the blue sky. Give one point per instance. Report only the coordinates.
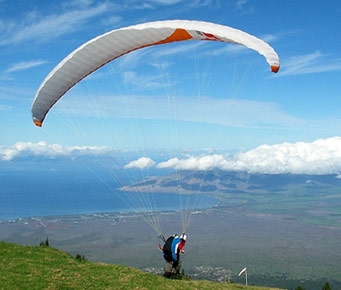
(225, 99)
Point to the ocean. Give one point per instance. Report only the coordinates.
(51, 193)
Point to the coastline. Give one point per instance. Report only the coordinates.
(174, 206)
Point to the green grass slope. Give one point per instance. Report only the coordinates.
(28, 267)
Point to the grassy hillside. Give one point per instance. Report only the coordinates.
(27, 267)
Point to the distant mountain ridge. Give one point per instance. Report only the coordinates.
(218, 181)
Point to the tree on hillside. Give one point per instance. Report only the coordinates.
(299, 288)
(81, 258)
(326, 286)
(46, 243)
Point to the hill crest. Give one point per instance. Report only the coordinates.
(37, 267)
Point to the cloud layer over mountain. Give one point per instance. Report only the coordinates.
(322, 156)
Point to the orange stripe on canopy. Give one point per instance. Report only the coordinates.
(178, 35)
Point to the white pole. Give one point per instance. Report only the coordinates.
(246, 277)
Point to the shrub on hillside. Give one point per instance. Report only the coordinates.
(45, 243)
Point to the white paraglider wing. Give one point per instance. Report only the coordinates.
(109, 46)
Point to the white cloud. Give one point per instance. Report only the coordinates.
(241, 3)
(159, 57)
(146, 82)
(269, 37)
(15, 93)
(180, 48)
(5, 107)
(227, 49)
(29, 149)
(199, 3)
(23, 65)
(151, 4)
(5, 78)
(161, 66)
(207, 162)
(244, 7)
(322, 156)
(132, 59)
(166, 2)
(225, 112)
(112, 21)
(310, 63)
(46, 27)
(141, 163)
(79, 3)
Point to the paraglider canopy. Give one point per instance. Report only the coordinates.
(101, 50)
